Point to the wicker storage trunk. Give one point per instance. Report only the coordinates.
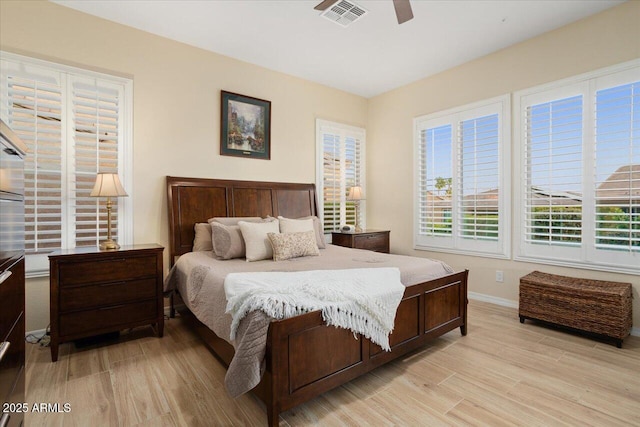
(594, 306)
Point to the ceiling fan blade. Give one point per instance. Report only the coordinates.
(324, 4)
(403, 10)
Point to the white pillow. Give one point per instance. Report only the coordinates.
(302, 224)
(256, 241)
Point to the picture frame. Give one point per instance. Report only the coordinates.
(245, 129)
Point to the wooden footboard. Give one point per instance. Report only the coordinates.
(299, 367)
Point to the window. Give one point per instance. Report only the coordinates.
(580, 163)
(340, 166)
(75, 124)
(461, 180)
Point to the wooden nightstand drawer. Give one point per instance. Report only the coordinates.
(107, 318)
(110, 293)
(373, 242)
(106, 270)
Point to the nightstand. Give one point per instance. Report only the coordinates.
(373, 240)
(94, 292)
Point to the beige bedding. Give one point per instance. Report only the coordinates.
(199, 277)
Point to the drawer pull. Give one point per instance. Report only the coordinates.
(113, 307)
(4, 346)
(4, 421)
(104, 285)
(113, 260)
(4, 276)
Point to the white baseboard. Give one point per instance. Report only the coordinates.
(494, 300)
(514, 304)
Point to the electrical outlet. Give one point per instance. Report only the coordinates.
(499, 276)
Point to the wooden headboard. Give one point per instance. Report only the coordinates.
(193, 200)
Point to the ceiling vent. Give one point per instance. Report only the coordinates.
(344, 13)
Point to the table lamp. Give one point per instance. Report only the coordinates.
(355, 194)
(108, 185)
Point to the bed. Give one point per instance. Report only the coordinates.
(297, 368)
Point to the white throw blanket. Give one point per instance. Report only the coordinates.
(363, 300)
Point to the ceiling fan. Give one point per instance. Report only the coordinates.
(403, 8)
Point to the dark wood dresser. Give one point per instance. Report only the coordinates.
(12, 310)
(12, 349)
(95, 292)
(373, 240)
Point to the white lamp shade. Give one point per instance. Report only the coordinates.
(355, 193)
(108, 185)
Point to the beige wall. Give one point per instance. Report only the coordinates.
(602, 40)
(176, 110)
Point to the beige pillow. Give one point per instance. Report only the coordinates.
(293, 245)
(227, 241)
(202, 239)
(288, 225)
(233, 220)
(255, 238)
(302, 224)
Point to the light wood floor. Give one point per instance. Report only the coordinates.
(502, 373)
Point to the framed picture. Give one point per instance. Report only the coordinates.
(246, 126)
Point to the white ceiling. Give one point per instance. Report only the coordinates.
(371, 56)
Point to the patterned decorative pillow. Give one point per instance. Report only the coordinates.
(288, 225)
(202, 238)
(256, 240)
(227, 241)
(293, 245)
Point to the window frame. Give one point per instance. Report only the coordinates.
(37, 265)
(586, 255)
(455, 243)
(344, 130)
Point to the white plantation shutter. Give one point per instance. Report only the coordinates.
(462, 180)
(580, 162)
(331, 183)
(33, 108)
(434, 185)
(353, 177)
(340, 149)
(479, 174)
(553, 158)
(75, 123)
(96, 117)
(617, 168)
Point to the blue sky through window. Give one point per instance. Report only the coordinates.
(617, 129)
(438, 155)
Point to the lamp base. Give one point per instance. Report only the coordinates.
(109, 245)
